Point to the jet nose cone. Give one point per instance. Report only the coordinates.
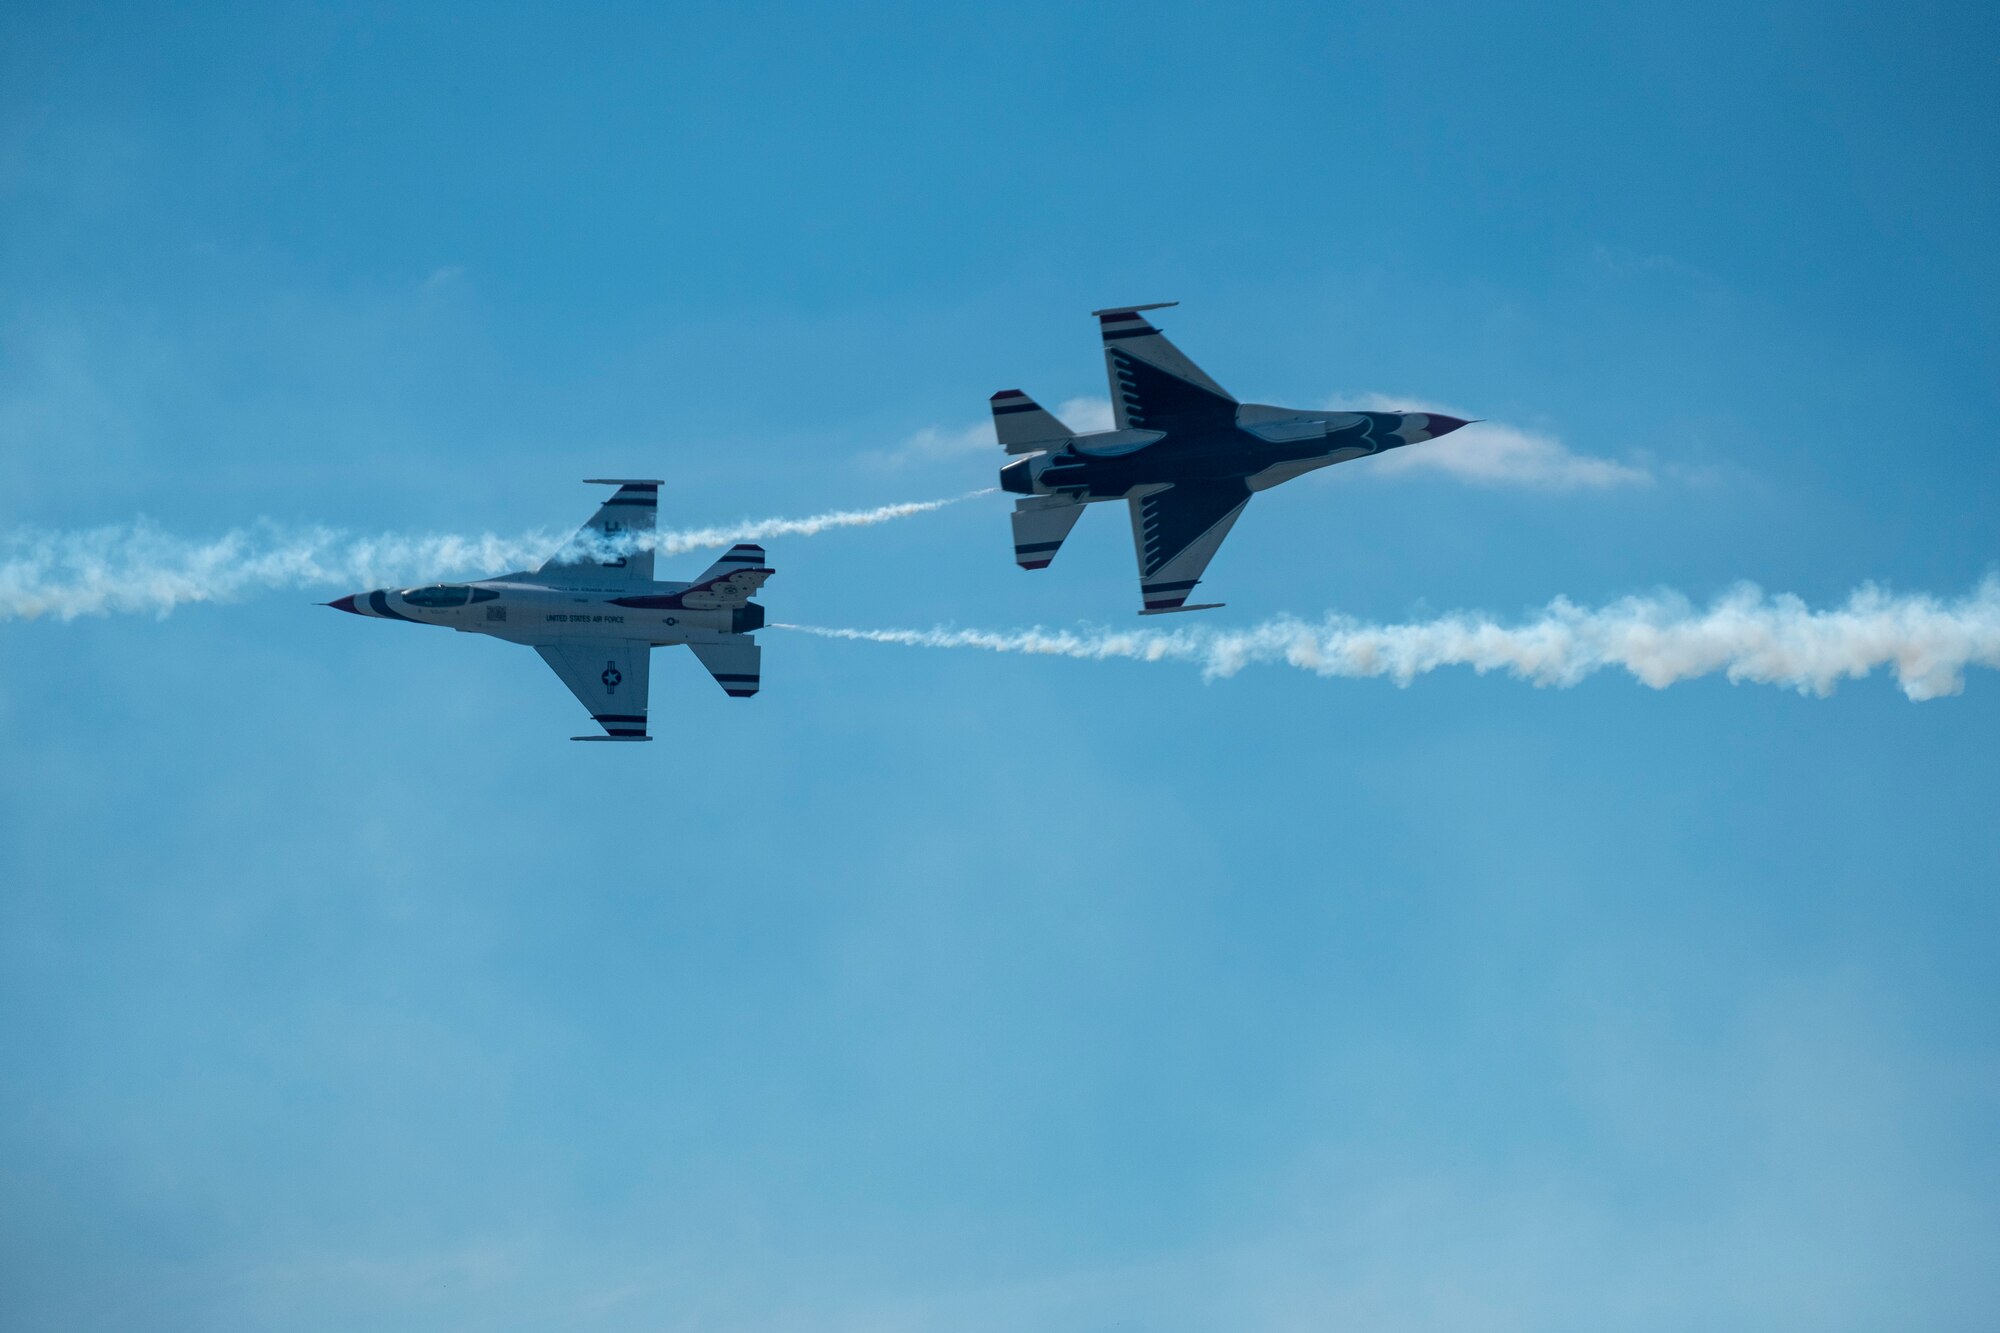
(1442, 425)
(344, 604)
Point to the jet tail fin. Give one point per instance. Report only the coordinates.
(730, 581)
(1024, 426)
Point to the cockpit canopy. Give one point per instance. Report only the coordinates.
(447, 594)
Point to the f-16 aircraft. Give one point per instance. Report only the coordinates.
(595, 614)
(1185, 456)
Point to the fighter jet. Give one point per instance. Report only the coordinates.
(1185, 456)
(595, 615)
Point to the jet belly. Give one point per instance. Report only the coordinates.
(1213, 457)
(1081, 474)
(1281, 472)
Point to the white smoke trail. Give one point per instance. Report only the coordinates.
(136, 567)
(1660, 639)
(673, 543)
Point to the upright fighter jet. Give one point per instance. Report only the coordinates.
(595, 615)
(1185, 455)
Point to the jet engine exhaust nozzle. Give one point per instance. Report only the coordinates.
(1017, 478)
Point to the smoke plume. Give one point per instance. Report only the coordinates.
(136, 567)
(1663, 638)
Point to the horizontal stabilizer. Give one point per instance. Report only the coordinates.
(1025, 426)
(611, 738)
(1040, 526)
(1174, 610)
(736, 663)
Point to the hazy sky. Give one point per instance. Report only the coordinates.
(951, 990)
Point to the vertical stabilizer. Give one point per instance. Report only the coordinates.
(730, 581)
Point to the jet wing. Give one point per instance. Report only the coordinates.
(609, 677)
(599, 556)
(1176, 531)
(1154, 386)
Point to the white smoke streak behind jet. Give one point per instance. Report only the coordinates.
(689, 539)
(135, 567)
(1660, 639)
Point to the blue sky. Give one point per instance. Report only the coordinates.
(944, 989)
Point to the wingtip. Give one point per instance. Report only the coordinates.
(1133, 309)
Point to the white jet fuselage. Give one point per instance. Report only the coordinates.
(594, 612)
(528, 613)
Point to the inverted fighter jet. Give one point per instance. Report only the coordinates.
(595, 615)
(1185, 456)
